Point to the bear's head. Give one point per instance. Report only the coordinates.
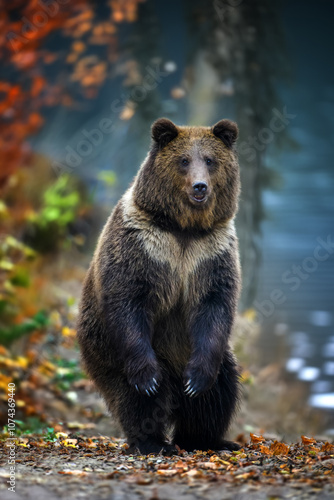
(190, 178)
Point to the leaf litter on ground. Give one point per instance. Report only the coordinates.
(260, 461)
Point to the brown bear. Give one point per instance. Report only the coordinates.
(160, 296)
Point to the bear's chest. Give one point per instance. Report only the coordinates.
(186, 264)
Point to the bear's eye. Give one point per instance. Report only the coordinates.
(185, 162)
(208, 161)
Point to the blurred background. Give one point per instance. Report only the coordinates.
(81, 82)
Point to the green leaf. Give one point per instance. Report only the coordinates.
(7, 265)
(9, 335)
(20, 278)
(71, 301)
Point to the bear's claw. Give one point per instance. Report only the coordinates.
(150, 391)
(189, 389)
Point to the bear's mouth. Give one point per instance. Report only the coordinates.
(198, 198)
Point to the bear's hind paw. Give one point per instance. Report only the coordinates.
(151, 446)
(228, 445)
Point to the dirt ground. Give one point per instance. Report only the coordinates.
(33, 487)
(98, 468)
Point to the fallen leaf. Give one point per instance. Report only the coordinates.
(193, 473)
(327, 447)
(61, 435)
(306, 440)
(209, 465)
(265, 450)
(167, 473)
(278, 448)
(79, 425)
(73, 472)
(70, 442)
(181, 465)
(256, 439)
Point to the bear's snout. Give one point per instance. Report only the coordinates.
(200, 190)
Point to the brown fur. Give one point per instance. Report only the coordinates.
(160, 296)
(159, 198)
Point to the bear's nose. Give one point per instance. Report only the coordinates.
(200, 187)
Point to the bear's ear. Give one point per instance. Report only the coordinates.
(226, 131)
(163, 131)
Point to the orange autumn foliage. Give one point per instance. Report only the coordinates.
(25, 26)
(278, 448)
(307, 441)
(256, 439)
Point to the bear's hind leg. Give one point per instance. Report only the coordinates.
(145, 421)
(202, 421)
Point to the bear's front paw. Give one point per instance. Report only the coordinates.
(197, 382)
(146, 381)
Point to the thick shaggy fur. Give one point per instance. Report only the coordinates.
(160, 297)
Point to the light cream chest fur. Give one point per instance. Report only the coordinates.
(164, 247)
